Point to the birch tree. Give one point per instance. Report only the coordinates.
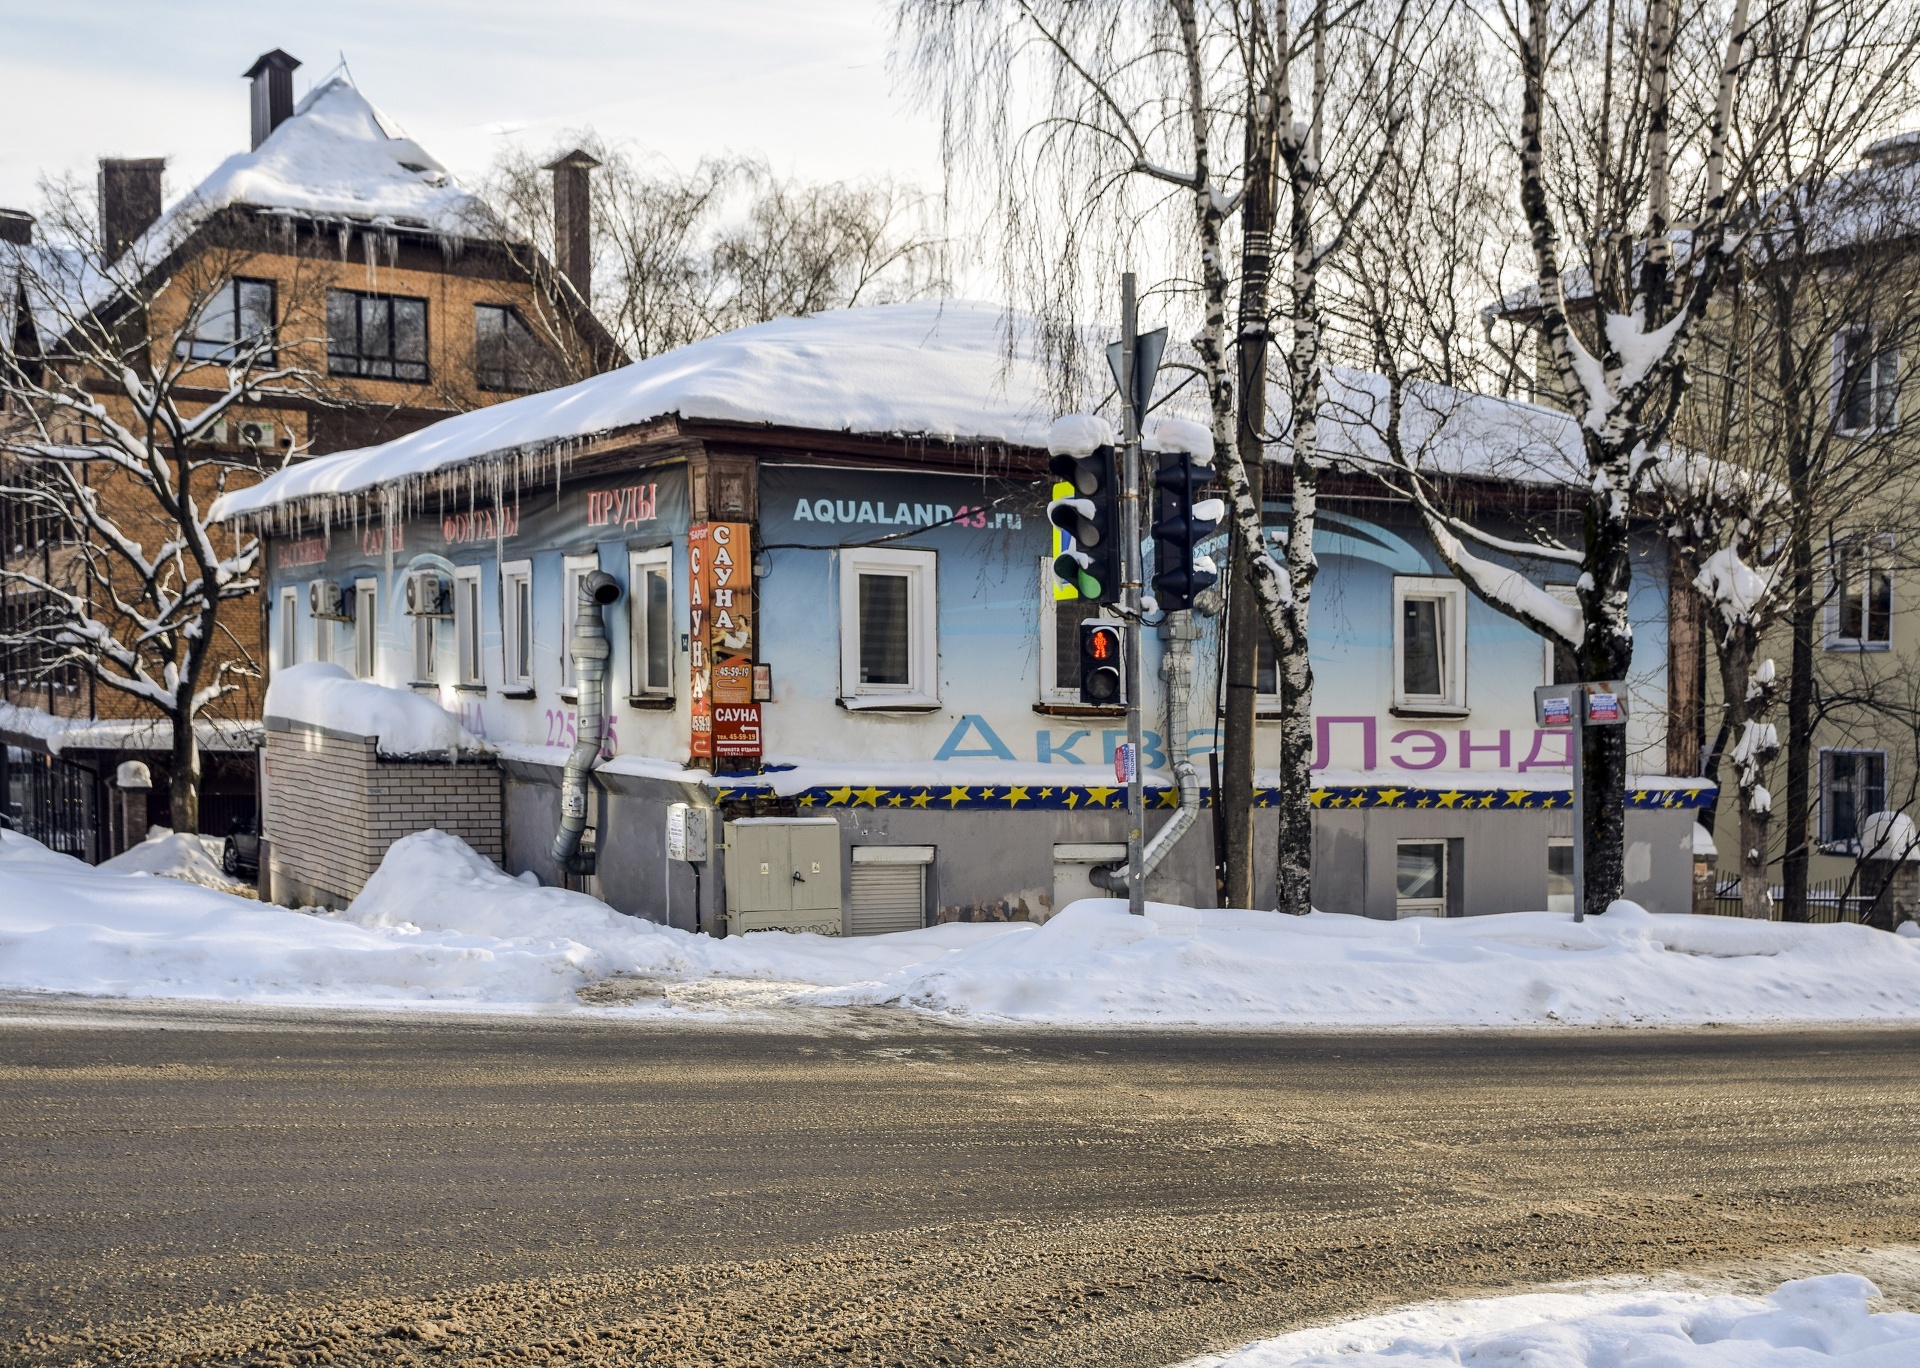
(116, 387)
(1105, 134)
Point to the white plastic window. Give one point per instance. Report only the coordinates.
(466, 626)
(572, 570)
(366, 627)
(1866, 382)
(322, 626)
(516, 625)
(889, 634)
(1420, 879)
(1860, 612)
(650, 620)
(1429, 644)
(289, 627)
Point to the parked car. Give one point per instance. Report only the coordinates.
(240, 859)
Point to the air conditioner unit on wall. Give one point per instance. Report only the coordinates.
(429, 594)
(249, 432)
(326, 599)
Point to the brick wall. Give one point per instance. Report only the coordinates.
(333, 805)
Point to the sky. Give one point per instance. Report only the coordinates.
(806, 84)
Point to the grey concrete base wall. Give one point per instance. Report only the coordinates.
(999, 865)
(332, 806)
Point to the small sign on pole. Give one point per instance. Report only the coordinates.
(1125, 766)
(1598, 703)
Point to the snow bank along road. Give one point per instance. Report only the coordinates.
(224, 1185)
(439, 925)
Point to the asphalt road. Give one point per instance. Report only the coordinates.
(242, 1187)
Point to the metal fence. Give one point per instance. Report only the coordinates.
(1828, 900)
(54, 802)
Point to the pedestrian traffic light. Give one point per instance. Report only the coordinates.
(1181, 521)
(1084, 511)
(1101, 681)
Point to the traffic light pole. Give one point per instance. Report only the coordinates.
(1131, 522)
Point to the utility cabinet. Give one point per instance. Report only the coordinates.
(783, 874)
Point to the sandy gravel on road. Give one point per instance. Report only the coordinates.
(245, 1188)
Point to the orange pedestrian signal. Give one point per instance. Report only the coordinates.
(1100, 678)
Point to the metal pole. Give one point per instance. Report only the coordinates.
(1579, 803)
(1130, 587)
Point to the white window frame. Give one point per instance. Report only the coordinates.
(470, 661)
(514, 574)
(1570, 595)
(1875, 550)
(289, 627)
(640, 564)
(1843, 845)
(323, 628)
(366, 628)
(1424, 907)
(1452, 596)
(426, 643)
(919, 569)
(573, 569)
(1883, 391)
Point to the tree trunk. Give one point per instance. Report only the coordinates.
(1801, 613)
(183, 787)
(1608, 655)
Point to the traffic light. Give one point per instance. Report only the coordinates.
(1101, 681)
(1086, 517)
(1180, 523)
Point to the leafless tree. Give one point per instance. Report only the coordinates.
(114, 391)
(679, 256)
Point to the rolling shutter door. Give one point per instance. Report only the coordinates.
(886, 897)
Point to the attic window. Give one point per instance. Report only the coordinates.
(375, 336)
(506, 354)
(414, 167)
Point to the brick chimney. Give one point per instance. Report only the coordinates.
(129, 200)
(16, 226)
(272, 77)
(573, 220)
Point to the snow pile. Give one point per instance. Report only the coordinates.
(1094, 964)
(1889, 836)
(441, 924)
(325, 695)
(1804, 1324)
(173, 854)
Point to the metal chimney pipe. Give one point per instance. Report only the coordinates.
(272, 95)
(129, 201)
(573, 220)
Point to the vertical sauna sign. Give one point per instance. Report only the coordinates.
(726, 720)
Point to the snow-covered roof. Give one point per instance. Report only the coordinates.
(937, 370)
(337, 159)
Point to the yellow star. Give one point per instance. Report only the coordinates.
(956, 796)
(1318, 797)
(1388, 797)
(1424, 800)
(1486, 799)
(1017, 794)
(1169, 798)
(1550, 800)
(1639, 795)
(920, 798)
(1451, 797)
(985, 794)
(840, 797)
(1516, 797)
(1072, 800)
(1099, 796)
(1262, 802)
(898, 800)
(868, 796)
(1046, 793)
(806, 800)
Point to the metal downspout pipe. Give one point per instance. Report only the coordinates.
(1176, 669)
(590, 651)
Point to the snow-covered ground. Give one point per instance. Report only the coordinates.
(178, 855)
(440, 926)
(1823, 1322)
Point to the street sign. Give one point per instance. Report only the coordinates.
(1125, 766)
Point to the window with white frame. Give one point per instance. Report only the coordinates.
(1853, 786)
(425, 643)
(322, 626)
(889, 634)
(289, 627)
(1866, 381)
(1860, 612)
(516, 626)
(1420, 879)
(1429, 644)
(1060, 621)
(366, 627)
(1558, 664)
(469, 665)
(573, 569)
(650, 622)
